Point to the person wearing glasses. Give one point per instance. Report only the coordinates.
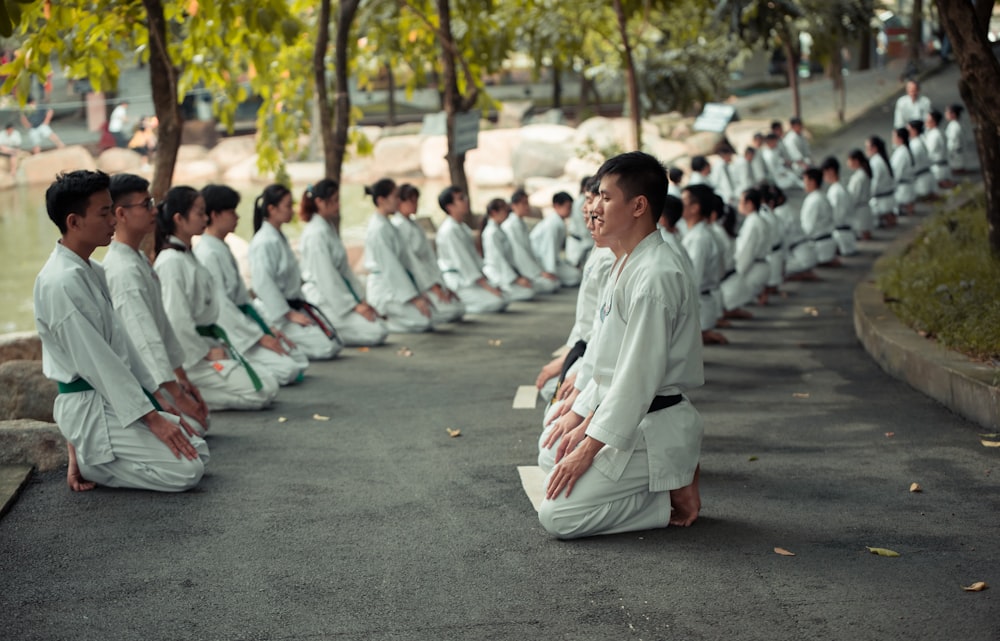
(135, 295)
(115, 433)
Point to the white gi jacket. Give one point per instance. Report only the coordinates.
(422, 257)
(937, 153)
(498, 255)
(923, 180)
(902, 170)
(457, 253)
(231, 292)
(908, 109)
(797, 147)
(706, 265)
(83, 337)
(817, 224)
(744, 175)
(520, 246)
(327, 279)
(883, 186)
(782, 176)
(955, 144)
(724, 178)
(189, 298)
(274, 272)
(387, 262)
(595, 274)
(859, 189)
(135, 295)
(547, 240)
(578, 238)
(647, 342)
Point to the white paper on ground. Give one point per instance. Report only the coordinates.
(532, 480)
(525, 397)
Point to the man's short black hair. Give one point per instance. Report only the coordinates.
(561, 198)
(703, 195)
(814, 175)
(698, 164)
(447, 196)
(71, 192)
(753, 195)
(795, 120)
(124, 184)
(673, 208)
(676, 175)
(518, 195)
(831, 163)
(639, 174)
(219, 198)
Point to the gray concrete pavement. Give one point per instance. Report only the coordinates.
(377, 525)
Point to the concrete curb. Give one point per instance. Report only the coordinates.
(12, 480)
(959, 383)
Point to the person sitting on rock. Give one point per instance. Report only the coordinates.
(10, 145)
(37, 120)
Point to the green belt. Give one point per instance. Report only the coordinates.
(214, 331)
(350, 288)
(249, 310)
(80, 385)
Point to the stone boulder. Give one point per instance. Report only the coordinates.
(548, 133)
(740, 133)
(20, 346)
(188, 153)
(579, 168)
(493, 176)
(433, 160)
(200, 132)
(513, 113)
(305, 173)
(30, 442)
(6, 180)
(667, 151)
(610, 135)
(118, 160)
(42, 168)
(702, 143)
(232, 151)
(538, 157)
(245, 172)
(399, 155)
(195, 172)
(549, 117)
(492, 156)
(25, 392)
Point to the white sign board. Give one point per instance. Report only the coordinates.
(715, 117)
(466, 131)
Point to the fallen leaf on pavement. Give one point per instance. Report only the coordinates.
(990, 443)
(752, 459)
(990, 436)
(364, 349)
(890, 434)
(978, 586)
(453, 433)
(320, 417)
(494, 342)
(404, 351)
(883, 551)
(800, 394)
(282, 419)
(915, 487)
(812, 311)
(783, 552)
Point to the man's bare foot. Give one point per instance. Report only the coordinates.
(833, 263)
(709, 337)
(866, 235)
(685, 503)
(808, 276)
(722, 323)
(74, 479)
(739, 312)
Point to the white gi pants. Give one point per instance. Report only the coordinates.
(543, 285)
(231, 388)
(311, 340)
(144, 462)
(479, 301)
(801, 258)
(847, 242)
(517, 293)
(285, 368)
(405, 318)
(442, 312)
(568, 275)
(355, 330)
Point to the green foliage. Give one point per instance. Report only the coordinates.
(10, 15)
(947, 284)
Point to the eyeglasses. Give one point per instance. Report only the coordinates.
(149, 203)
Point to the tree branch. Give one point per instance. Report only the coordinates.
(448, 43)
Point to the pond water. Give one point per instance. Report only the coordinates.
(27, 236)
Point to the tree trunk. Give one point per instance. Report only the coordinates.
(452, 99)
(166, 102)
(837, 76)
(342, 108)
(792, 68)
(916, 35)
(980, 75)
(391, 78)
(584, 97)
(330, 164)
(556, 86)
(865, 51)
(635, 111)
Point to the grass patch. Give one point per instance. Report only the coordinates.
(946, 284)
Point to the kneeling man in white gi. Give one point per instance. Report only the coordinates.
(116, 436)
(627, 454)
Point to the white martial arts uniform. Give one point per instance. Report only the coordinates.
(797, 147)
(547, 241)
(135, 295)
(462, 268)
(724, 246)
(426, 272)
(744, 175)
(706, 264)
(908, 109)
(750, 268)
(276, 280)
(698, 178)
(800, 251)
(923, 180)
(524, 257)
(902, 172)
(498, 262)
(84, 339)
(191, 300)
(859, 189)
(782, 176)
(937, 153)
(955, 144)
(579, 242)
(843, 219)
(724, 178)
(759, 166)
(329, 284)
(818, 225)
(647, 344)
(239, 318)
(391, 285)
(776, 246)
(883, 187)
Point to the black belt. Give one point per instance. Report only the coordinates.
(777, 247)
(316, 315)
(938, 163)
(663, 402)
(760, 260)
(885, 194)
(902, 182)
(706, 292)
(797, 243)
(845, 228)
(823, 237)
(923, 171)
(573, 355)
(728, 274)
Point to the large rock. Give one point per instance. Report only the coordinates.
(42, 168)
(20, 346)
(25, 392)
(196, 172)
(540, 158)
(399, 155)
(305, 172)
(667, 151)
(702, 143)
(610, 135)
(188, 153)
(200, 132)
(579, 168)
(554, 134)
(245, 172)
(232, 151)
(30, 442)
(117, 160)
(487, 176)
(6, 180)
(513, 113)
(740, 133)
(433, 161)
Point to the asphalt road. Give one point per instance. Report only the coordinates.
(376, 524)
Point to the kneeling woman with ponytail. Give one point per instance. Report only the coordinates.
(224, 377)
(277, 281)
(328, 282)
